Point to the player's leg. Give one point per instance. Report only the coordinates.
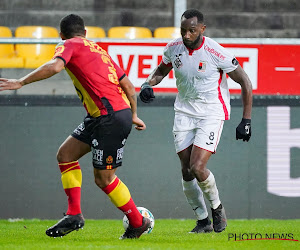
(68, 154)
(109, 141)
(206, 141)
(120, 196)
(194, 194)
(198, 162)
(183, 140)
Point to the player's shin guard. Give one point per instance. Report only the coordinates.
(71, 178)
(120, 196)
(194, 197)
(210, 190)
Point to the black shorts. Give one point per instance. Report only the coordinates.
(107, 136)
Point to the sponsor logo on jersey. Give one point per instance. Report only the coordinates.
(174, 43)
(202, 66)
(214, 52)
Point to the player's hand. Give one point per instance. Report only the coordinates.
(243, 130)
(146, 94)
(9, 84)
(140, 125)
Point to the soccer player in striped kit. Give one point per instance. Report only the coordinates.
(201, 107)
(110, 101)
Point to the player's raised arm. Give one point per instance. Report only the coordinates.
(243, 130)
(45, 71)
(146, 94)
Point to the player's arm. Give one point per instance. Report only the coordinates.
(240, 76)
(43, 72)
(146, 94)
(129, 90)
(158, 74)
(243, 131)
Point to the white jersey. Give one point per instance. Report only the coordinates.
(201, 78)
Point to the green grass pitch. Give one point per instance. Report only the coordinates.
(167, 234)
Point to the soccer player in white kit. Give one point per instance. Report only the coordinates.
(201, 106)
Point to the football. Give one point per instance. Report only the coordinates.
(146, 213)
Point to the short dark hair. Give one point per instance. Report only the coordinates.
(193, 13)
(72, 25)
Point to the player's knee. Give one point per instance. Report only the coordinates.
(198, 168)
(65, 155)
(102, 182)
(61, 156)
(98, 182)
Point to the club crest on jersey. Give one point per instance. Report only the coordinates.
(178, 62)
(202, 66)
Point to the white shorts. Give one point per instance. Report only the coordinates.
(203, 133)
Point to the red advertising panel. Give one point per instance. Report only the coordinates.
(274, 69)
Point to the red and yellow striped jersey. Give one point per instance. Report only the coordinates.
(94, 74)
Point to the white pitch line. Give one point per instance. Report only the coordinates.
(284, 68)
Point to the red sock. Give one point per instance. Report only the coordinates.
(134, 216)
(71, 178)
(121, 198)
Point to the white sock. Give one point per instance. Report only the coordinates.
(194, 197)
(210, 191)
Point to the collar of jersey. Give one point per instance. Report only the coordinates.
(192, 50)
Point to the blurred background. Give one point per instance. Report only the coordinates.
(224, 18)
(259, 179)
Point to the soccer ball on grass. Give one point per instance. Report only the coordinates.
(146, 213)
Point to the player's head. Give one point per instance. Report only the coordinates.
(72, 25)
(192, 27)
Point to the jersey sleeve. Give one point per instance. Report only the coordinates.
(119, 71)
(228, 62)
(64, 51)
(166, 59)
